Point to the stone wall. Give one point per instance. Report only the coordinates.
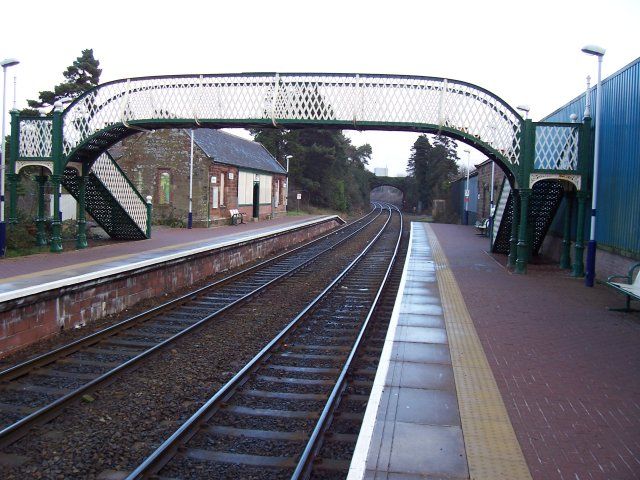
(145, 155)
(28, 319)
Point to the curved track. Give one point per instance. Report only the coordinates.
(269, 419)
(37, 390)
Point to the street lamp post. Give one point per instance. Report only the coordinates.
(525, 109)
(590, 274)
(9, 62)
(190, 217)
(466, 191)
(286, 193)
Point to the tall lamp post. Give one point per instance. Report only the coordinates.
(590, 273)
(466, 190)
(190, 217)
(9, 62)
(286, 185)
(525, 109)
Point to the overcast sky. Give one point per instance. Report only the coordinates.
(525, 52)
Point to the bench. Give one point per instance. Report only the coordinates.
(236, 216)
(630, 288)
(482, 226)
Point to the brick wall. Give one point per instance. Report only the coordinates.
(607, 263)
(25, 320)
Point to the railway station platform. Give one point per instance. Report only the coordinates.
(40, 294)
(490, 375)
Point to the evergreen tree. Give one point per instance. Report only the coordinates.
(324, 164)
(431, 166)
(82, 75)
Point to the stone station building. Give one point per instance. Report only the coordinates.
(229, 172)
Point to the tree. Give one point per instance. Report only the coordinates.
(82, 75)
(431, 166)
(324, 164)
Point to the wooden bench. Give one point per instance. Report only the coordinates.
(482, 226)
(630, 288)
(235, 216)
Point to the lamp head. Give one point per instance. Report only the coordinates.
(594, 50)
(524, 108)
(9, 62)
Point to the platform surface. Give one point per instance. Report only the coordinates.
(490, 375)
(34, 272)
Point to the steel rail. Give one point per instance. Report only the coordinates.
(16, 430)
(65, 350)
(168, 449)
(303, 468)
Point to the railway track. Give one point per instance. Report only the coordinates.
(269, 420)
(339, 440)
(37, 390)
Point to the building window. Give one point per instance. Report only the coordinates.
(164, 187)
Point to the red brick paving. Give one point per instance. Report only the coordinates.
(568, 369)
(160, 237)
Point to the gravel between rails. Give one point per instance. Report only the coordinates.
(366, 360)
(128, 419)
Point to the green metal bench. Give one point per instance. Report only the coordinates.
(630, 288)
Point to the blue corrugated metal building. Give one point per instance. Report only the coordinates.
(618, 216)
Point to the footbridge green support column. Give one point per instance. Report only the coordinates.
(513, 238)
(149, 216)
(56, 178)
(41, 235)
(12, 177)
(585, 163)
(565, 256)
(578, 262)
(81, 238)
(523, 244)
(528, 145)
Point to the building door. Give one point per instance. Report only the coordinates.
(256, 199)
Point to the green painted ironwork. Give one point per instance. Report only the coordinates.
(103, 207)
(578, 261)
(149, 213)
(565, 257)
(56, 180)
(41, 235)
(110, 112)
(12, 181)
(81, 239)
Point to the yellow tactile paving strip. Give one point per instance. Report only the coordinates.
(493, 451)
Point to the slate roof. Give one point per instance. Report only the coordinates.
(230, 149)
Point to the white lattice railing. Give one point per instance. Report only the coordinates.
(358, 100)
(556, 147)
(112, 177)
(35, 138)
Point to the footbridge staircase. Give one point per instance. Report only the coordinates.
(110, 198)
(544, 203)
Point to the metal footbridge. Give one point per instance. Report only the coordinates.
(72, 143)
